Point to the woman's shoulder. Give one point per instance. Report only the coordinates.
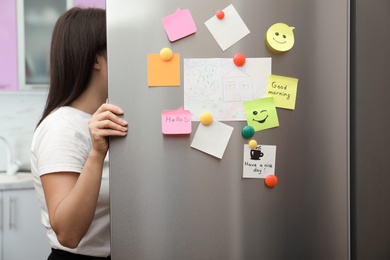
(66, 112)
(65, 120)
(65, 124)
(65, 116)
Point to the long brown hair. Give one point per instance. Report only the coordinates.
(78, 35)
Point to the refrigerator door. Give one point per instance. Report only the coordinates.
(170, 201)
(370, 127)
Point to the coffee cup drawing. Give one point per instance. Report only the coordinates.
(256, 154)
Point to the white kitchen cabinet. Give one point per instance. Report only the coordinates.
(8, 43)
(35, 23)
(22, 234)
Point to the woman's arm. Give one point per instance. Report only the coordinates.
(71, 197)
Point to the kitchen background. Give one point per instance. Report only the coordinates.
(18, 120)
(370, 178)
(23, 75)
(22, 106)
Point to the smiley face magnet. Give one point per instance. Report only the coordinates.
(280, 37)
(261, 113)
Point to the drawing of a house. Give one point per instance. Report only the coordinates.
(237, 86)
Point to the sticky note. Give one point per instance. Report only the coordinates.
(163, 73)
(259, 162)
(179, 24)
(229, 30)
(283, 89)
(176, 121)
(212, 139)
(280, 37)
(261, 113)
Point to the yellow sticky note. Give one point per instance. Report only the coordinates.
(280, 37)
(283, 89)
(163, 73)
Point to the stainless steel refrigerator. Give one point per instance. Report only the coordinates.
(370, 127)
(171, 201)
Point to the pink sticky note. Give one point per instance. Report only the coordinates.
(179, 24)
(176, 121)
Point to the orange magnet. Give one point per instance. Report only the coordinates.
(206, 118)
(166, 54)
(271, 181)
(220, 14)
(239, 59)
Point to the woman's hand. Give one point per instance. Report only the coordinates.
(105, 122)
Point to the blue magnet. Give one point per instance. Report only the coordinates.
(248, 131)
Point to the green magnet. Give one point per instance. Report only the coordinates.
(248, 131)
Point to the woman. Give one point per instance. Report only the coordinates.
(70, 144)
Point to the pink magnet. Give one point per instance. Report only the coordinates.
(220, 14)
(271, 181)
(239, 59)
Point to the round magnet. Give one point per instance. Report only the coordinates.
(271, 181)
(220, 14)
(239, 59)
(166, 54)
(248, 131)
(206, 118)
(252, 144)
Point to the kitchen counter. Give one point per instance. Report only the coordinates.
(26, 182)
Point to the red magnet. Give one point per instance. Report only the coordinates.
(271, 181)
(220, 14)
(239, 59)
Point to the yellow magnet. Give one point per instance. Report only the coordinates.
(166, 54)
(206, 118)
(252, 144)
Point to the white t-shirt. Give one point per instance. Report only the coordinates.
(61, 143)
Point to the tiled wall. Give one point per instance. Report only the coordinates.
(19, 114)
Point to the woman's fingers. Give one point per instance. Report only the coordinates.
(108, 115)
(105, 121)
(107, 128)
(109, 132)
(109, 107)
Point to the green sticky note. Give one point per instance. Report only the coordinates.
(261, 113)
(283, 89)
